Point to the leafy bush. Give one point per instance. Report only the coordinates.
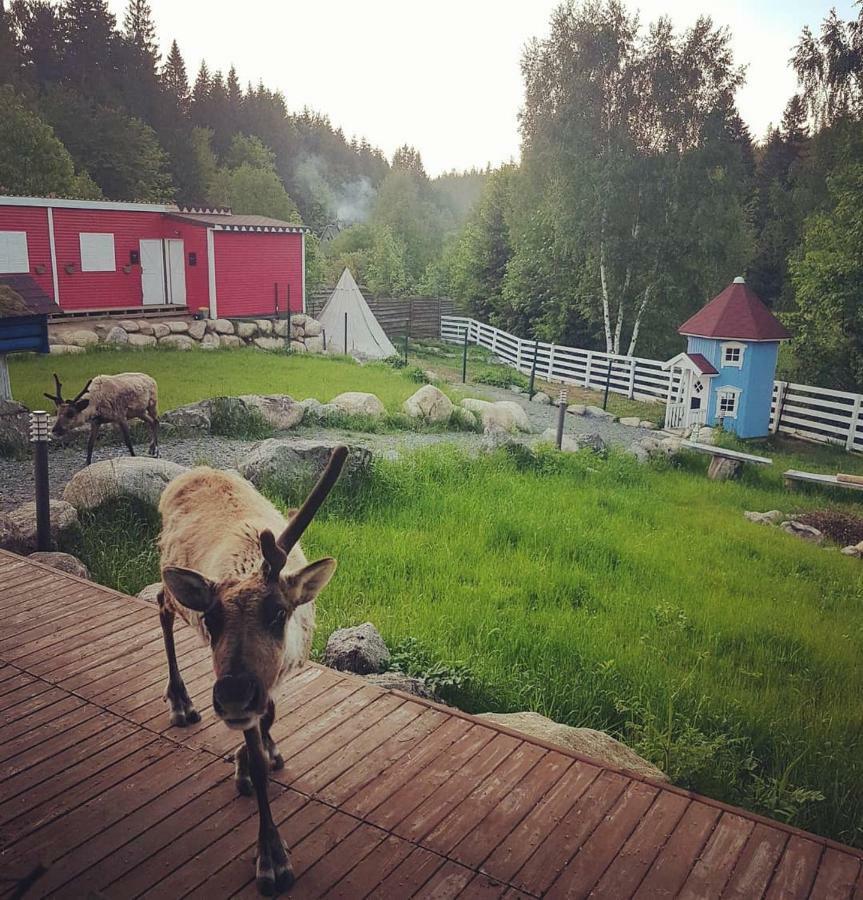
(501, 377)
(411, 657)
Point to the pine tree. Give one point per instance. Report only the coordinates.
(201, 96)
(140, 31)
(90, 38)
(175, 81)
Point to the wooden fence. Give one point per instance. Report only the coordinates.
(807, 412)
(420, 317)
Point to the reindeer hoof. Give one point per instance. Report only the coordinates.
(244, 785)
(277, 761)
(183, 717)
(274, 873)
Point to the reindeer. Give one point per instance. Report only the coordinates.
(110, 398)
(251, 595)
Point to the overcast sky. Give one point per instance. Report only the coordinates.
(444, 76)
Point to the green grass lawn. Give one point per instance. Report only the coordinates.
(606, 594)
(196, 374)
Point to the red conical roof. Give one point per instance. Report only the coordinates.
(737, 313)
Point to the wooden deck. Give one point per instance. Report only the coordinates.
(382, 795)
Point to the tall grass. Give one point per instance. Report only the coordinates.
(605, 594)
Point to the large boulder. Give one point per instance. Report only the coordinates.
(804, 531)
(14, 427)
(597, 412)
(572, 443)
(228, 340)
(57, 349)
(141, 340)
(145, 327)
(160, 330)
(197, 329)
(296, 464)
(116, 335)
(359, 403)
(269, 343)
(211, 341)
(65, 562)
(129, 325)
(137, 476)
(179, 327)
(194, 416)
(313, 327)
(360, 650)
(278, 410)
(223, 326)
(177, 341)
(314, 344)
(18, 527)
(83, 337)
(505, 414)
(429, 404)
(246, 329)
(596, 745)
(265, 326)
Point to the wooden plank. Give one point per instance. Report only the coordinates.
(366, 874)
(837, 875)
(481, 887)
(408, 877)
(513, 852)
(341, 860)
(727, 454)
(796, 871)
(596, 854)
(756, 863)
(716, 862)
(70, 711)
(674, 862)
(448, 881)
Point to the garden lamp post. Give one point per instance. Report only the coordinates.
(561, 413)
(39, 437)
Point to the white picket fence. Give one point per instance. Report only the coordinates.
(811, 413)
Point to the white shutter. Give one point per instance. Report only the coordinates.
(14, 259)
(97, 252)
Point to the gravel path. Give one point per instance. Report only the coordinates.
(16, 476)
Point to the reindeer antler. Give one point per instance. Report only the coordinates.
(304, 515)
(58, 398)
(83, 391)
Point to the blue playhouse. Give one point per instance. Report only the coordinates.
(725, 375)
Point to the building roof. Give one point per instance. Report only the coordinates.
(703, 364)
(20, 295)
(736, 313)
(228, 222)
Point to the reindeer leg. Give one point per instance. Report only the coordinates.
(274, 872)
(91, 441)
(182, 710)
(153, 421)
(123, 425)
(242, 778)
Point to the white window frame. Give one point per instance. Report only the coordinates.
(97, 252)
(732, 363)
(14, 253)
(722, 392)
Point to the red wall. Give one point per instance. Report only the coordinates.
(247, 266)
(34, 221)
(102, 290)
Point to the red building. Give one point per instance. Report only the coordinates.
(101, 255)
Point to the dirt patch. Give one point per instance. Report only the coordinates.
(841, 527)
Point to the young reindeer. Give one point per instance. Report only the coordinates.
(110, 398)
(247, 586)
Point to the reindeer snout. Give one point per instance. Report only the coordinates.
(236, 698)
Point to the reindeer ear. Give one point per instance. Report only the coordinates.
(305, 584)
(190, 588)
(81, 405)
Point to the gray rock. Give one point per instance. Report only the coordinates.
(178, 327)
(160, 330)
(592, 441)
(639, 452)
(177, 341)
(577, 409)
(117, 335)
(296, 464)
(211, 341)
(630, 421)
(223, 326)
(650, 426)
(407, 684)
(314, 344)
(516, 389)
(801, 530)
(312, 328)
(504, 414)
(145, 327)
(278, 410)
(129, 325)
(150, 593)
(137, 476)
(772, 517)
(298, 347)
(429, 404)
(269, 343)
(541, 397)
(230, 340)
(195, 416)
(247, 329)
(141, 340)
(18, 526)
(359, 403)
(83, 337)
(360, 649)
(496, 438)
(58, 349)
(314, 410)
(265, 326)
(197, 329)
(596, 745)
(597, 412)
(65, 562)
(14, 427)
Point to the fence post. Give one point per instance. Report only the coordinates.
(587, 369)
(464, 355)
(494, 341)
(518, 356)
(855, 421)
(781, 388)
(550, 362)
(607, 382)
(632, 367)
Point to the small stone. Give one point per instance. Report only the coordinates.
(141, 340)
(516, 389)
(360, 650)
(194, 416)
(801, 530)
(407, 684)
(650, 426)
(359, 403)
(65, 562)
(772, 517)
(197, 329)
(541, 397)
(577, 409)
(223, 326)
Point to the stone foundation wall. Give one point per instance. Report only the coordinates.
(180, 334)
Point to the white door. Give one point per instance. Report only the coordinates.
(153, 273)
(176, 257)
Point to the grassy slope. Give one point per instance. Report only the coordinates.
(187, 377)
(615, 596)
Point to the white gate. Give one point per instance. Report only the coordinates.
(153, 286)
(176, 280)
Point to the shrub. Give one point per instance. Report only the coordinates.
(232, 418)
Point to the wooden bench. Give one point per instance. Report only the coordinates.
(793, 476)
(724, 463)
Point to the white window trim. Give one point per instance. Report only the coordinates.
(732, 364)
(735, 392)
(96, 255)
(15, 255)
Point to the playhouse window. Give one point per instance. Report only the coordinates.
(14, 258)
(732, 354)
(727, 403)
(97, 252)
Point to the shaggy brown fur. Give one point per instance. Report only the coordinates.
(110, 398)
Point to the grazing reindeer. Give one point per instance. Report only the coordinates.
(222, 572)
(110, 398)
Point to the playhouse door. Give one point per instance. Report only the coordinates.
(176, 280)
(153, 282)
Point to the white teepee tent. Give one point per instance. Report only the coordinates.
(366, 338)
